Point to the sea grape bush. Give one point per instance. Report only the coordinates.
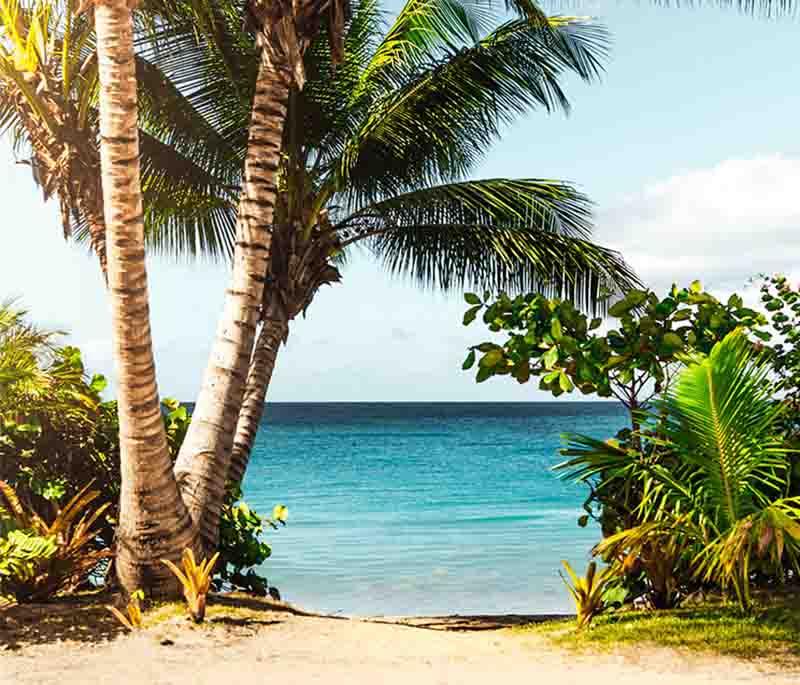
(633, 361)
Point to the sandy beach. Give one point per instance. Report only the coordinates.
(284, 646)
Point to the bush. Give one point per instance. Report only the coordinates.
(45, 559)
(636, 479)
(242, 547)
(57, 433)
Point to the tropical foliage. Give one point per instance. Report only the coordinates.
(46, 558)
(697, 492)
(58, 433)
(196, 581)
(588, 592)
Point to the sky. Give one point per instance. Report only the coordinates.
(689, 147)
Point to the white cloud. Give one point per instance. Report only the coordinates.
(722, 225)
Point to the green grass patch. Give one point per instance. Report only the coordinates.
(770, 632)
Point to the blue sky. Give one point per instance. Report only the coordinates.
(689, 147)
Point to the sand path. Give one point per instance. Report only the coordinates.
(286, 649)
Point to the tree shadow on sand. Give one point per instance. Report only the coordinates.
(70, 618)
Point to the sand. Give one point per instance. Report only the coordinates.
(284, 648)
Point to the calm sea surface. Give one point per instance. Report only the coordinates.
(423, 508)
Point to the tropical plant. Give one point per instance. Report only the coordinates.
(726, 497)
(241, 547)
(48, 106)
(64, 552)
(196, 581)
(132, 619)
(377, 153)
(588, 592)
(635, 361)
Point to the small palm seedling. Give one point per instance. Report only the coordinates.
(588, 591)
(196, 581)
(133, 619)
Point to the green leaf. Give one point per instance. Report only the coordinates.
(555, 329)
(469, 361)
(484, 373)
(620, 309)
(491, 359)
(550, 358)
(673, 341)
(696, 287)
(472, 298)
(564, 382)
(470, 314)
(595, 324)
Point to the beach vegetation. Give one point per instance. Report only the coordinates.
(770, 632)
(45, 557)
(195, 581)
(697, 493)
(724, 497)
(58, 433)
(588, 591)
(132, 618)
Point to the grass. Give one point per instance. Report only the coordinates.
(772, 632)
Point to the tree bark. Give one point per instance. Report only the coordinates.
(153, 522)
(273, 332)
(204, 458)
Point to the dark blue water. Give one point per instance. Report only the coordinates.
(423, 508)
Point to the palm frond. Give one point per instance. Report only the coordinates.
(496, 234)
(437, 126)
(723, 418)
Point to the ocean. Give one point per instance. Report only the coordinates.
(423, 509)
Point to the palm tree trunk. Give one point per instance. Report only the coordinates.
(273, 332)
(203, 461)
(153, 523)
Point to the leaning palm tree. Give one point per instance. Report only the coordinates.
(282, 31)
(376, 158)
(725, 500)
(377, 151)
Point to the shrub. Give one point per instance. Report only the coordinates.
(51, 557)
(241, 545)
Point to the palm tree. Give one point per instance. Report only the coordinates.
(725, 499)
(376, 157)
(153, 521)
(48, 106)
(282, 31)
(376, 154)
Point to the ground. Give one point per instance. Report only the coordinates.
(253, 641)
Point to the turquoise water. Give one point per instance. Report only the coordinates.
(423, 508)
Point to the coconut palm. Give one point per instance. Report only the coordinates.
(377, 152)
(153, 520)
(45, 100)
(282, 31)
(376, 158)
(725, 499)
